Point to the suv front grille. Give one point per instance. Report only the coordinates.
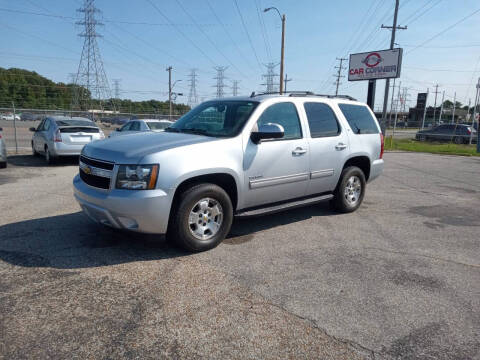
(96, 173)
(96, 181)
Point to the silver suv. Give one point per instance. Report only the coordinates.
(241, 156)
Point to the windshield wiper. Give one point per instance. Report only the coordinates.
(171, 129)
(195, 131)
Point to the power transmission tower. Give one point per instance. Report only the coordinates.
(392, 43)
(435, 105)
(116, 88)
(220, 80)
(192, 95)
(339, 73)
(235, 87)
(270, 78)
(286, 80)
(91, 84)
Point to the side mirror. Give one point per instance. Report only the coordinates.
(32, 129)
(267, 131)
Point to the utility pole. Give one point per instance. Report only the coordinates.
(282, 54)
(454, 106)
(285, 81)
(392, 44)
(169, 69)
(441, 108)
(339, 73)
(435, 104)
(425, 109)
(391, 105)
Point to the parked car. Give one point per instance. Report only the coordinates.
(141, 125)
(63, 136)
(26, 116)
(459, 134)
(3, 151)
(10, 117)
(242, 156)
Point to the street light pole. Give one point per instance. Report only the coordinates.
(282, 54)
(169, 69)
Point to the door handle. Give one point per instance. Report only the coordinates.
(299, 151)
(341, 146)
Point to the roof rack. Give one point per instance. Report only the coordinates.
(304, 93)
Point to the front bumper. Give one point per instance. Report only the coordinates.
(145, 211)
(376, 169)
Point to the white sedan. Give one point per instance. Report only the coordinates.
(141, 125)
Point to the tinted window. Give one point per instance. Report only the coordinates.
(126, 127)
(359, 118)
(284, 114)
(135, 126)
(321, 120)
(40, 127)
(46, 125)
(75, 122)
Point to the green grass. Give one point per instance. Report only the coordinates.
(429, 147)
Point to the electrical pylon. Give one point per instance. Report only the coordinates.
(269, 77)
(220, 80)
(192, 95)
(91, 84)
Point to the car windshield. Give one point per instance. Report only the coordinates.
(154, 125)
(215, 118)
(75, 122)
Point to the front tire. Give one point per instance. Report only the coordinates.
(202, 218)
(350, 191)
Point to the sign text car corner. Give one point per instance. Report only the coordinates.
(381, 64)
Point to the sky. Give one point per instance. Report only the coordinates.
(141, 38)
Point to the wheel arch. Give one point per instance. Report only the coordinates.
(361, 161)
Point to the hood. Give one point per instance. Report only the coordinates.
(130, 149)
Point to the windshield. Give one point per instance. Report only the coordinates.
(215, 118)
(158, 125)
(75, 122)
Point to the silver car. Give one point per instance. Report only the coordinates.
(242, 156)
(63, 136)
(141, 125)
(3, 151)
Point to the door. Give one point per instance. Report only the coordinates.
(37, 143)
(277, 169)
(328, 144)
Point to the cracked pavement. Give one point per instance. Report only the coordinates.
(398, 279)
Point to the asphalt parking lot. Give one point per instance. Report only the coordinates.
(399, 278)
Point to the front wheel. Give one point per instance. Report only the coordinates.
(202, 218)
(350, 190)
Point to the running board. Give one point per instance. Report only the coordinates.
(284, 206)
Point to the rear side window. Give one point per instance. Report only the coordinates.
(284, 114)
(135, 126)
(359, 118)
(321, 120)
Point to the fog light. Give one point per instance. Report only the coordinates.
(128, 223)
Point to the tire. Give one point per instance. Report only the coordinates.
(3, 165)
(422, 138)
(48, 157)
(189, 220)
(458, 140)
(34, 152)
(351, 178)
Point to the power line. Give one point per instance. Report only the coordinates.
(246, 32)
(443, 31)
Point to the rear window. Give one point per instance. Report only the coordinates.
(359, 118)
(75, 122)
(157, 125)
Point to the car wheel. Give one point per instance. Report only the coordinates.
(202, 218)
(350, 190)
(34, 152)
(422, 137)
(48, 157)
(458, 140)
(3, 165)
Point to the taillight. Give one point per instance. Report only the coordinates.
(382, 146)
(58, 136)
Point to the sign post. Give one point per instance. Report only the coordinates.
(372, 85)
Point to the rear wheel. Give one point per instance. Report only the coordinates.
(48, 156)
(422, 137)
(202, 218)
(350, 190)
(458, 140)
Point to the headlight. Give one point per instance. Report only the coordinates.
(137, 177)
